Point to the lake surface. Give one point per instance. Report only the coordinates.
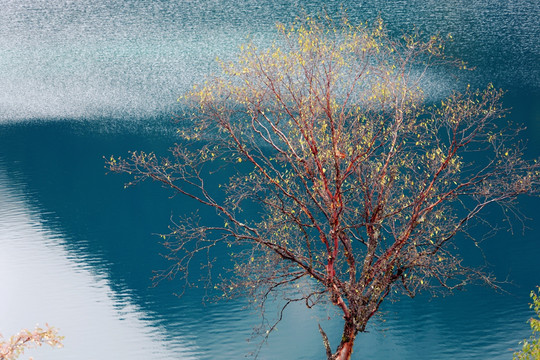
(80, 80)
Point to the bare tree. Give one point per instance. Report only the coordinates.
(355, 186)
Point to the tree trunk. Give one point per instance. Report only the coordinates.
(345, 348)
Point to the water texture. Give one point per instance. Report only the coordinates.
(88, 59)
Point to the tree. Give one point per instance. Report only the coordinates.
(14, 347)
(339, 182)
(531, 347)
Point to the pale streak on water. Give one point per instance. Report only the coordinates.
(52, 284)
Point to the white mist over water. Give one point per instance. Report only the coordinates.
(121, 59)
(88, 59)
(124, 59)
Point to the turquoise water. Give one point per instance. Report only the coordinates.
(85, 79)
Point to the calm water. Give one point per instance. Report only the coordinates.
(80, 80)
